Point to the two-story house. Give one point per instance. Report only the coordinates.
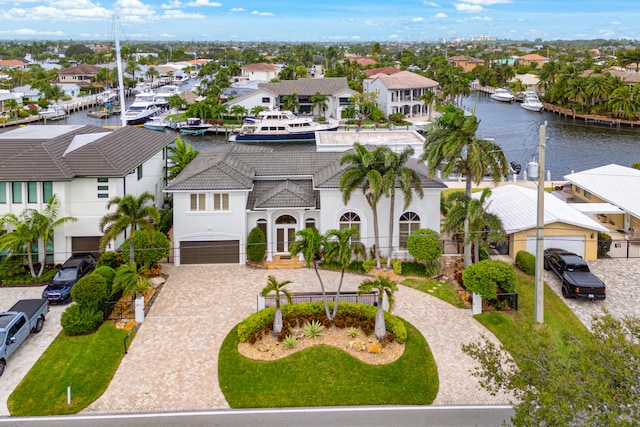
(467, 63)
(228, 190)
(80, 74)
(84, 166)
(401, 93)
(259, 71)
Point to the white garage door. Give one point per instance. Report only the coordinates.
(573, 244)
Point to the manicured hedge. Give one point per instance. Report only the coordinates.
(485, 277)
(90, 291)
(526, 262)
(257, 322)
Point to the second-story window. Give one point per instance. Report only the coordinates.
(198, 202)
(221, 202)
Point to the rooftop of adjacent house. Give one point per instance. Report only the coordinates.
(260, 66)
(405, 80)
(465, 59)
(63, 152)
(241, 167)
(342, 141)
(308, 87)
(384, 70)
(84, 69)
(517, 207)
(615, 184)
(533, 57)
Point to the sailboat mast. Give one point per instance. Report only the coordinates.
(120, 80)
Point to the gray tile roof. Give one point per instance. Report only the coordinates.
(283, 193)
(240, 167)
(307, 87)
(64, 152)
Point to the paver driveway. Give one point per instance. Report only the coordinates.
(172, 362)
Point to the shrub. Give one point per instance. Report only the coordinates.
(312, 329)
(108, 273)
(11, 266)
(526, 262)
(425, 245)
(90, 291)
(356, 267)
(78, 319)
(290, 341)
(412, 268)
(110, 259)
(604, 244)
(256, 245)
(485, 277)
(368, 265)
(166, 221)
(147, 251)
(397, 266)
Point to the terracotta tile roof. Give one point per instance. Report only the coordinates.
(533, 57)
(260, 66)
(11, 63)
(469, 59)
(405, 80)
(63, 152)
(366, 61)
(383, 70)
(82, 69)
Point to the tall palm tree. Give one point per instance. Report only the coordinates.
(384, 285)
(23, 236)
(291, 102)
(278, 287)
(239, 112)
(181, 155)
(339, 245)
(45, 223)
(428, 98)
(319, 102)
(365, 171)
(310, 244)
(132, 213)
(451, 145)
(397, 173)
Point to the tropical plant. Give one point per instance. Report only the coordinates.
(45, 223)
(131, 213)
(278, 287)
(340, 247)
(22, 237)
(319, 102)
(397, 173)
(291, 102)
(425, 246)
(148, 251)
(129, 281)
(365, 171)
(290, 341)
(452, 146)
(353, 332)
(312, 329)
(384, 286)
(486, 277)
(180, 156)
(239, 112)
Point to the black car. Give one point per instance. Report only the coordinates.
(59, 290)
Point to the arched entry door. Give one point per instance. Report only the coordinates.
(285, 232)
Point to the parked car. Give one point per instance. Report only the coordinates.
(59, 290)
(26, 316)
(577, 280)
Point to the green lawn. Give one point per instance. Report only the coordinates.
(327, 376)
(86, 363)
(437, 288)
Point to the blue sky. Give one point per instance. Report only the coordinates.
(319, 20)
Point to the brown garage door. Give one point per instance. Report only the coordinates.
(86, 244)
(210, 252)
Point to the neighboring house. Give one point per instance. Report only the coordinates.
(80, 74)
(26, 94)
(260, 71)
(532, 59)
(70, 89)
(84, 166)
(13, 64)
(228, 190)
(271, 95)
(564, 227)
(610, 186)
(467, 63)
(401, 92)
(384, 70)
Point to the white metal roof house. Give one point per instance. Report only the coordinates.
(84, 166)
(617, 186)
(564, 226)
(228, 190)
(401, 92)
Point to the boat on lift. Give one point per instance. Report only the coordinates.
(54, 112)
(280, 126)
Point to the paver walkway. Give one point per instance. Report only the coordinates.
(172, 362)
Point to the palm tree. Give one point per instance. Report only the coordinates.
(175, 101)
(239, 112)
(152, 73)
(365, 171)
(452, 146)
(255, 111)
(385, 286)
(181, 155)
(131, 213)
(310, 244)
(428, 98)
(45, 223)
(339, 246)
(483, 226)
(291, 102)
(397, 173)
(129, 281)
(278, 287)
(132, 67)
(23, 236)
(624, 103)
(319, 101)
(219, 111)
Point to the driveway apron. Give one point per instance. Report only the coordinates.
(172, 363)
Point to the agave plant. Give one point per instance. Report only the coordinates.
(312, 329)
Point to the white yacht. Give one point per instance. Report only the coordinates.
(280, 126)
(503, 95)
(54, 112)
(143, 108)
(531, 102)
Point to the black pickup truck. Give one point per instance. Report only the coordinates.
(577, 280)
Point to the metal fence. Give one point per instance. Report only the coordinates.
(370, 298)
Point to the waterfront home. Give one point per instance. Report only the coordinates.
(467, 63)
(259, 71)
(84, 166)
(532, 59)
(564, 226)
(401, 93)
(79, 74)
(228, 190)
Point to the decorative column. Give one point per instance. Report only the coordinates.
(269, 237)
(302, 224)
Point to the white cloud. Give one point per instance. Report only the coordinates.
(370, 23)
(480, 18)
(430, 3)
(178, 14)
(32, 32)
(615, 23)
(468, 8)
(394, 36)
(418, 19)
(487, 2)
(175, 4)
(440, 15)
(201, 3)
(238, 9)
(167, 36)
(255, 12)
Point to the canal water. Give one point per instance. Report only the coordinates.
(571, 145)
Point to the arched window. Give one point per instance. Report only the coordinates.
(350, 220)
(262, 225)
(310, 223)
(409, 222)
